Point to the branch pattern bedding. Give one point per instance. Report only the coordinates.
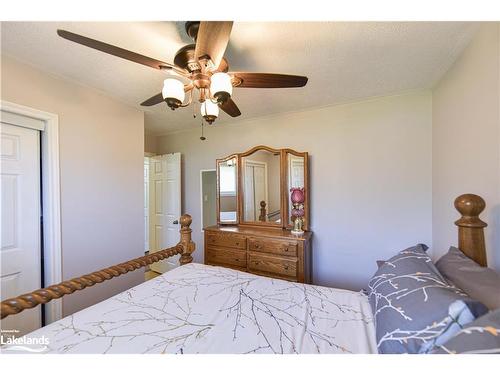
(203, 309)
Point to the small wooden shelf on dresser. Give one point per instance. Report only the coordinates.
(263, 251)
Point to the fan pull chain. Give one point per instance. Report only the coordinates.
(202, 136)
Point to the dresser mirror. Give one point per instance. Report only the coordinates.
(227, 190)
(253, 187)
(296, 165)
(261, 187)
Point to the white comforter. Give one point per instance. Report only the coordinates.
(204, 309)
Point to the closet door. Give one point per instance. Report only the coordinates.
(20, 229)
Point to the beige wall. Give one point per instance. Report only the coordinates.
(209, 181)
(150, 143)
(370, 165)
(101, 170)
(466, 140)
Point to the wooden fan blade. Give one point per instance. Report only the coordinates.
(212, 40)
(117, 51)
(230, 108)
(157, 99)
(268, 80)
(223, 66)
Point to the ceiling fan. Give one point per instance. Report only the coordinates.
(203, 65)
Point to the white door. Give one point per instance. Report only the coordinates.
(146, 204)
(260, 193)
(255, 189)
(249, 208)
(20, 228)
(165, 207)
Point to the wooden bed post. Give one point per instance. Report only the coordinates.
(262, 216)
(471, 227)
(186, 242)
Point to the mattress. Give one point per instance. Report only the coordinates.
(204, 309)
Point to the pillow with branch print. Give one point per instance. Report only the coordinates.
(482, 336)
(414, 307)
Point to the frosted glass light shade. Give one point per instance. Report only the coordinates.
(209, 108)
(209, 111)
(221, 83)
(173, 88)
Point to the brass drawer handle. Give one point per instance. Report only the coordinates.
(237, 243)
(286, 268)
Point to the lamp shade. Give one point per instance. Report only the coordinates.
(209, 108)
(173, 88)
(221, 83)
(297, 195)
(209, 111)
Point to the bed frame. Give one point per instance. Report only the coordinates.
(470, 241)
(185, 248)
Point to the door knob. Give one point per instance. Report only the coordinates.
(176, 222)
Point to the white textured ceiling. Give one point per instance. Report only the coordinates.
(344, 60)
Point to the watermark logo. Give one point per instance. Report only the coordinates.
(11, 343)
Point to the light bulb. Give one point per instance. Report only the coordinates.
(209, 111)
(221, 87)
(173, 92)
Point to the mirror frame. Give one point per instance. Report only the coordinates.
(217, 203)
(305, 155)
(284, 191)
(240, 187)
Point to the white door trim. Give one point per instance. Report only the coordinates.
(201, 194)
(51, 199)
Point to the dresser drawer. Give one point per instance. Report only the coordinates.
(272, 265)
(237, 258)
(226, 240)
(288, 248)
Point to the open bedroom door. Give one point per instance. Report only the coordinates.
(165, 207)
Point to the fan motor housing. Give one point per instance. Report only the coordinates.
(184, 58)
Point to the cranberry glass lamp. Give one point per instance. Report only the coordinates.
(297, 198)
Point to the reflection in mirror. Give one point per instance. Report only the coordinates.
(227, 191)
(261, 187)
(295, 179)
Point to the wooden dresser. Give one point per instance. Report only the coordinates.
(263, 251)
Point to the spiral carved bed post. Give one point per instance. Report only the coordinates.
(185, 247)
(471, 227)
(187, 244)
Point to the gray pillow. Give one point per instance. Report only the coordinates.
(480, 283)
(480, 336)
(414, 307)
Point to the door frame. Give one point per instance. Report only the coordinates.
(51, 199)
(201, 194)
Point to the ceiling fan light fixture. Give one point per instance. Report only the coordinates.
(221, 86)
(209, 111)
(173, 92)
